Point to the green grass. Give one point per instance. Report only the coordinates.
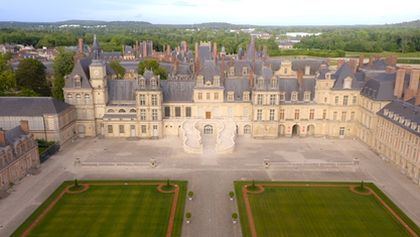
(121, 210)
(320, 211)
(384, 54)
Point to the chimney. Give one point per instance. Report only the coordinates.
(417, 98)
(353, 65)
(215, 52)
(340, 63)
(391, 60)
(370, 60)
(144, 44)
(168, 49)
(414, 80)
(361, 60)
(2, 137)
(399, 83)
(307, 70)
(24, 125)
(300, 78)
(196, 51)
(81, 45)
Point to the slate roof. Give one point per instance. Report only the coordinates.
(405, 109)
(14, 134)
(81, 68)
(346, 71)
(238, 86)
(31, 106)
(177, 91)
(380, 86)
(120, 90)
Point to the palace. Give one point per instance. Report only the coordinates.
(250, 94)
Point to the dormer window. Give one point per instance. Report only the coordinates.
(231, 71)
(347, 83)
(261, 83)
(307, 96)
(216, 81)
(244, 71)
(142, 83)
(413, 125)
(328, 76)
(153, 83)
(200, 80)
(246, 96)
(77, 81)
(273, 82)
(208, 83)
(231, 96)
(294, 96)
(282, 96)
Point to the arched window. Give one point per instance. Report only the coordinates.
(132, 110)
(121, 111)
(142, 83)
(153, 82)
(77, 81)
(347, 83)
(247, 129)
(78, 97)
(87, 98)
(208, 129)
(111, 111)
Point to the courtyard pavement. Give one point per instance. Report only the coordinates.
(210, 176)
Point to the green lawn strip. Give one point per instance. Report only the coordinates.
(361, 215)
(110, 210)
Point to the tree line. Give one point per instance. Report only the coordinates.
(365, 40)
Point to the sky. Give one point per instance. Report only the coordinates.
(255, 12)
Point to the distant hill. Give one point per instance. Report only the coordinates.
(210, 25)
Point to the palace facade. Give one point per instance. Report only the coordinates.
(250, 94)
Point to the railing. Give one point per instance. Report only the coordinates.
(47, 153)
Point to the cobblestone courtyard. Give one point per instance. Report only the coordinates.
(210, 176)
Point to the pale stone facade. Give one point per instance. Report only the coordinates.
(18, 154)
(264, 98)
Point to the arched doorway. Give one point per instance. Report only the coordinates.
(247, 129)
(208, 129)
(281, 130)
(81, 130)
(295, 130)
(310, 130)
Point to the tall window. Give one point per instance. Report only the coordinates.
(272, 114)
(87, 98)
(352, 115)
(282, 96)
(336, 100)
(187, 111)
(343, 116)
(345, 100)
(121, 128)
(177, 111)
(273, 99)
(143, 114)
(230, 96)
(259, 114)
(154, 83)
(110, 129)
(216, 96)
(246, 96)
(260, 99)
(167, 111)
(281, 114)
(297, 114)
(307, 96)
(294, 95)
(354, 100)
(273, 83)
(311, 114)
(154, 100)
(324, 114)
(143, 129)
(154, 114)
(335, 115)
(200, 95)
(142, 99)
(208, 96)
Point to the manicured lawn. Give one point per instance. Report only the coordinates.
(109, 210)
(319, 211)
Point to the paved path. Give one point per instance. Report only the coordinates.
(210, 176)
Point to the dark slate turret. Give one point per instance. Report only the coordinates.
(96, 49)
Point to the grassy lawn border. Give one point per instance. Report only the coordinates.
(244, 218)
(179, 214)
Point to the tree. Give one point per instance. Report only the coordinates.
(30, 73)
(62, 66)
(154, 66)
(7, 76)
(118, 69)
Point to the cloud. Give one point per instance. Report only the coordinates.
(184, 4)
